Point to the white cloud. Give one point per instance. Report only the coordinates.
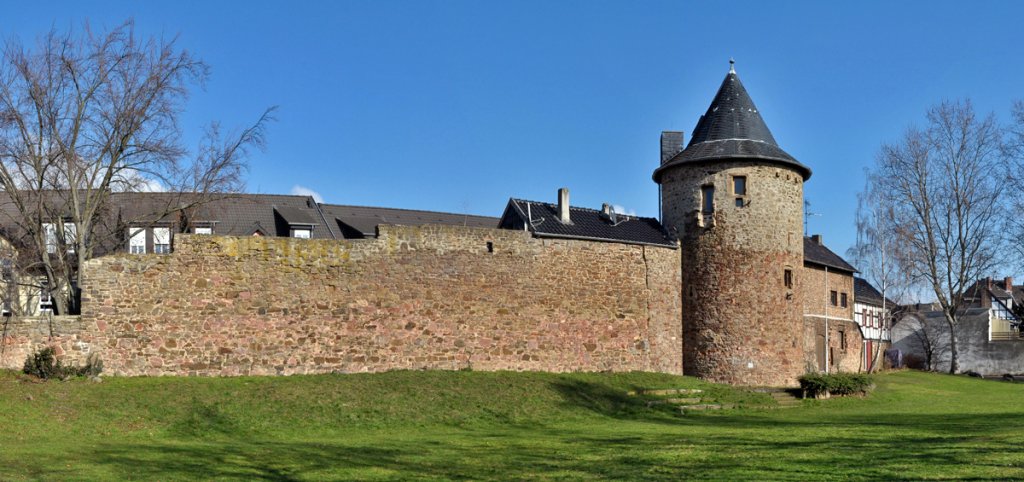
(298, 190)
(622, 210)
(131, 180)
(150, 185)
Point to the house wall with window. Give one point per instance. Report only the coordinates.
(23, 293)
(875, 327)
(828, 302)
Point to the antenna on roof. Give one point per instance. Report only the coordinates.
(529, 217)
(808, 214)
(732, 65)
(608, 212)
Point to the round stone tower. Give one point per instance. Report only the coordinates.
(734, 199)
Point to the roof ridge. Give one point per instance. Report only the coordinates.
(577, 208)
(406, 209)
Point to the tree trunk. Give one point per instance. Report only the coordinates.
(954, 359)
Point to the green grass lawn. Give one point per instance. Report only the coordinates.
(480, 425)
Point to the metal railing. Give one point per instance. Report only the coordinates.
(1011, 335)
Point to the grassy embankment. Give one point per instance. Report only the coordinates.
(478, 425)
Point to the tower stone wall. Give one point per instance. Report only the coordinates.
(742, 324)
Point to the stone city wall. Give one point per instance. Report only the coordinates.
(431, 297)
(22, 336)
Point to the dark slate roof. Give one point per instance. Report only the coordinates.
(362, 221)
(296, 216)
(819, 254)
(270, 214)
(864, 292)
(732, 128)
(230, 214)
(972, 293)
(587, 224)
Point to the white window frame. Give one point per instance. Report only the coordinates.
(302, 233)
(137, 240)
(202, 230)
(45, 300)
(162, 240)
(70, 233)
(50, 234)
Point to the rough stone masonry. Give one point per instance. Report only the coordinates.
(432, 297)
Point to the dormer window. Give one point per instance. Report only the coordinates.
(50, 232)
(301, 222)
(161, 240)
(203, 230)
(136, 240)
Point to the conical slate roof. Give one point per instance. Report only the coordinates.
(732, 128)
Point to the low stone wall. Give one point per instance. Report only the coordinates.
(430, 297)
(22, 336)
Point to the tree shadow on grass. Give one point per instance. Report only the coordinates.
(610, 402)
(205, 420)
(731, 448)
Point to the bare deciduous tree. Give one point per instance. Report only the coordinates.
(927, 336)
(877, 250)
(945, 181)
(86, 115)
(1014, 147)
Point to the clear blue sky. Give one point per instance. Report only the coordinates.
(459, 105)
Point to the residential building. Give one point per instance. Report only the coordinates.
(988, 331)
(872, 312)
(828, 309)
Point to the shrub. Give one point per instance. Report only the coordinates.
(44, 364)
(824, 385)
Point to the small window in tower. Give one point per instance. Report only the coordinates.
(787, 278)
(739, 185)
(707, 199)
(842, 300)
(834, 298)
(842, 340)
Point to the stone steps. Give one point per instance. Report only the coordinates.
(674, 401)
(786, 399)
(665, 391)
(684, 409)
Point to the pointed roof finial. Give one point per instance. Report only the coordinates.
(732, 65)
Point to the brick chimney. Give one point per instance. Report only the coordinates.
(816, 239)
(986, 296)
(1008, 281)
(671, 144)
(563, 206)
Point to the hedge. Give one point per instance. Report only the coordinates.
(822, 384)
